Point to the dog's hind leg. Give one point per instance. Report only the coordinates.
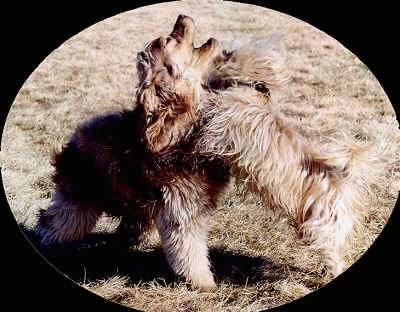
(182, 224)
(66, 220)
(327, 223)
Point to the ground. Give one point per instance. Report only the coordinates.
(257, 261)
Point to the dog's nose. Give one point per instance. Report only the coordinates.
(184, 29)
(212, 42)
(209, 47)
(184, 19)
(181, 16)
(208, 50)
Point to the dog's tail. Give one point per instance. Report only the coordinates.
(360, 166)
(339, 194)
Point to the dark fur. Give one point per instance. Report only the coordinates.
(106, 165)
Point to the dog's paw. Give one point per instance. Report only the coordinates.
(204, 283)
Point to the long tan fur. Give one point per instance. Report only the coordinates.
(321, 190)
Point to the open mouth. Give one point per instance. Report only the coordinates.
(179, 43)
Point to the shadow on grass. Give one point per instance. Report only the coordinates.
(100, 256)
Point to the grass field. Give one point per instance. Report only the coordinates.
(257, 261)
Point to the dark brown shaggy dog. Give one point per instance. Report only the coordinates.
(140, 165)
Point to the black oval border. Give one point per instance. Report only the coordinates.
(33, 30)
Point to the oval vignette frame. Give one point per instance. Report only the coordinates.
(124, 97)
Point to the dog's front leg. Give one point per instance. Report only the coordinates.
(182, 225)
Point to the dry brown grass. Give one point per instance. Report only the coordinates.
(257, 261)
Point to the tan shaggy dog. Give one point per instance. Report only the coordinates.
(320, 188)
(323, 189)
(201, 112)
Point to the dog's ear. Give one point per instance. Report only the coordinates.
(169, 124)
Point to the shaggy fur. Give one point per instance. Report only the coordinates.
(320, 189)
(199, 114)
(140, 164)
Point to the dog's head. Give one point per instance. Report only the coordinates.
(257, 64)
(170, 72)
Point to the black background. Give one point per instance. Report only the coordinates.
(31, 31)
